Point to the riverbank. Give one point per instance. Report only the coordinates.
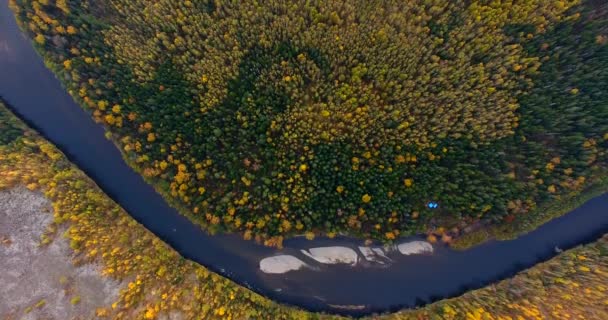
(409, 283)
(212, 221)
(530, 222)
(159, 282)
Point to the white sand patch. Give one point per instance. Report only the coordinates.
(381, 253)
(368, 253)
(281, 264)
(415, 247)
(332, 255)
(376, 255)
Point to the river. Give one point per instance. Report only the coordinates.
(408, 281)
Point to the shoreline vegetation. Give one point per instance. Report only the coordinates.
(157, 278)
(529, 186)
(159, 282)
(530, 223)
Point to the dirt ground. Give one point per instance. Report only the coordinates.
(41, 282)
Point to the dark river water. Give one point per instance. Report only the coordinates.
(37, 97)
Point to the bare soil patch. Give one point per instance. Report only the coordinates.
(40, 282)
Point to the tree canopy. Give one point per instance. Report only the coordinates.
(275, 118)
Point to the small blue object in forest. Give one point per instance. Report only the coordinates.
(433, 205)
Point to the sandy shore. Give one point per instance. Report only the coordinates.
(41, 282)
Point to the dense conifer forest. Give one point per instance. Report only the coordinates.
(159, 282)
(279, 118)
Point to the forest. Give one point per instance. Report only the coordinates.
(342, 117)
(158, 281)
